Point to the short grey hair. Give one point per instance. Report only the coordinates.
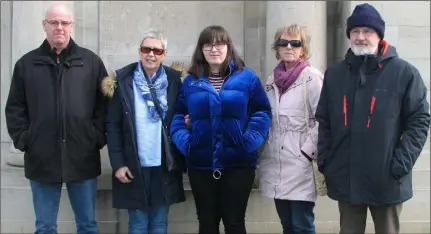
(155, 34)
(65, 6)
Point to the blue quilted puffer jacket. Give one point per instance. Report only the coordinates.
(227, 126)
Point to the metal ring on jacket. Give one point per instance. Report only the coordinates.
(216, 174)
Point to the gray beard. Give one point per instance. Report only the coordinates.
(361, 50)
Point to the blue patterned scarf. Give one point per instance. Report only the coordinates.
(160, 84)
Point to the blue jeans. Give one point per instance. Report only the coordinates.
(297, 217)
(153, 221)
(46, 200)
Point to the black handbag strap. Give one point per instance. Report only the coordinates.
(153, 95)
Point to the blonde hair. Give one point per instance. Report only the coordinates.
(293, 30)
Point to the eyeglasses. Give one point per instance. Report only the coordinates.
(293, 43)
(209, 47)
(367, 32)
(58, 22)
(147, 50)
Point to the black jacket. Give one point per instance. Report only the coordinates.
(55, 113)
(122, 146)
(373, 122)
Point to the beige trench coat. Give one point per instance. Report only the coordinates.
(284, 173)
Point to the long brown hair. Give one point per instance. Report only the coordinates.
(214, 34)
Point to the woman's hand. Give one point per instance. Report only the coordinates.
(187, 121)
(124, 175)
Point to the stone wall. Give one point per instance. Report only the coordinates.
(121, 27)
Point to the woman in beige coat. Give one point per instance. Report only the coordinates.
(286, 172)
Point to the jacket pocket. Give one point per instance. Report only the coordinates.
(94, 135)
(290, 149)
(100, 137)
(232, 134)
(83, 134)
(384, 102)
(233, 150)
(30, 136)
(389, 181)
(300, 157)
(396, 169)
(23, 141)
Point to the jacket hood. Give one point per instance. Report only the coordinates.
(110, 83)
(386, 51)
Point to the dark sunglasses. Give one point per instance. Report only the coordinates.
(293, 43)
(147, 50)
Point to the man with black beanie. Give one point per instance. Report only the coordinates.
(373, 123)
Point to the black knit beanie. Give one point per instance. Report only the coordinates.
(365, 15)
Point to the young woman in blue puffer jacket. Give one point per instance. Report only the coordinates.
(230, 116)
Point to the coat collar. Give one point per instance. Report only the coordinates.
(125, 78)
(47, 55)
(70, 49)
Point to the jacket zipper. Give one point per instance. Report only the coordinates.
(218, 93)
(60, 113)
(230, 71)
(130, 118)
(133, 132)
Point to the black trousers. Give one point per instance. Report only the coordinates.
(223, 199)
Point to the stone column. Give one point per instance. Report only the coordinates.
(254, 43)
(26, 19)
(343, 41)
(309, 13)
(6, 65)
(87, 25)
(254, 35)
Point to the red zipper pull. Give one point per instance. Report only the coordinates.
(373, 102)
(345, 109)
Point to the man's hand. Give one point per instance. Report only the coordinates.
(187, 121)
(124, 175)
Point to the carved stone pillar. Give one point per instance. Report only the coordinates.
(15, 157)
(86, 26)
(254, 36)
(6, 65)
(20, 44)
(341, 38)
